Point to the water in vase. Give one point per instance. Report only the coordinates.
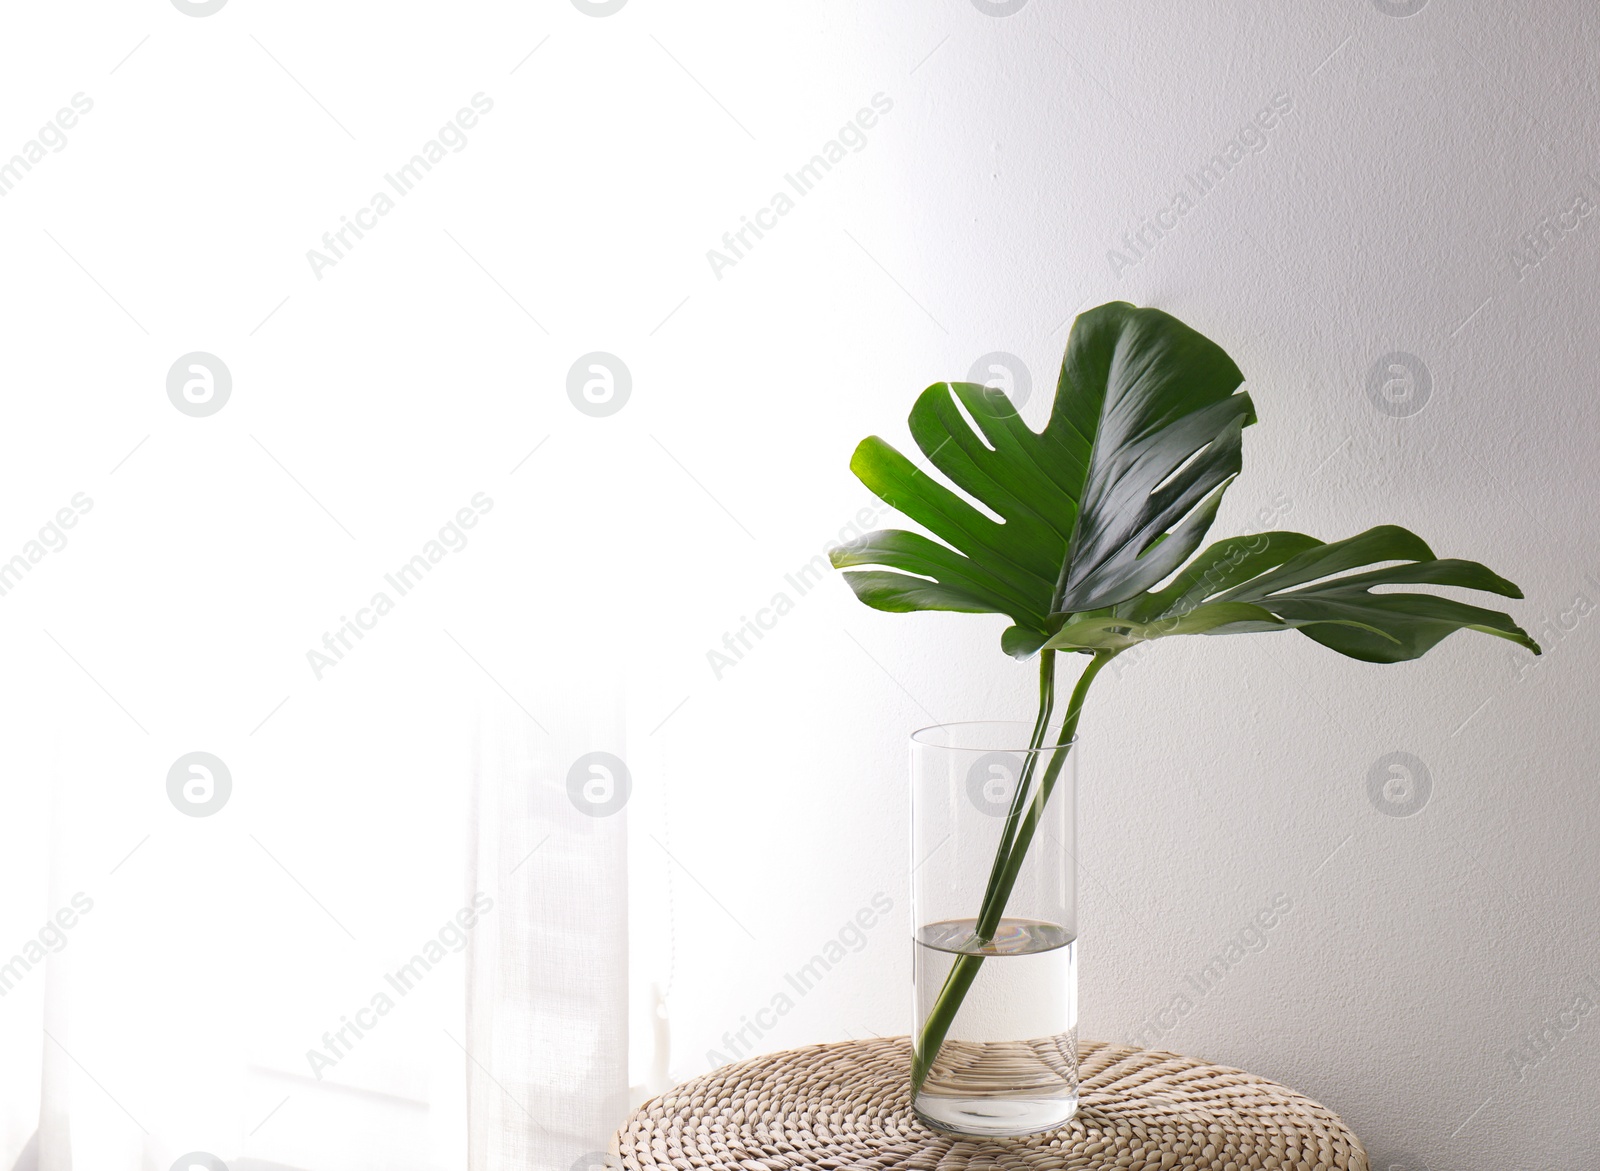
(1008, 1065)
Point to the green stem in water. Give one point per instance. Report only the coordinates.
(1019, 801)
(1003, 878)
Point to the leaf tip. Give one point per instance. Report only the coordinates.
(1022, 643)
(863, 451)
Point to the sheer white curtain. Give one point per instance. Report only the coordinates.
(548, 971)
(305, 977)
(172, 984)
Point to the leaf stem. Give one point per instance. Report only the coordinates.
(1003, 878)
(1019, 798)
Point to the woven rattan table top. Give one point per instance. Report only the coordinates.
(847, 1106)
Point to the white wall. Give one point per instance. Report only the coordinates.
(1381, 215)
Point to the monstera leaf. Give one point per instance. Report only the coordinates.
(1074, 527)
(1108, 500)
(1283, 581)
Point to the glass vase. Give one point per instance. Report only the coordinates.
(994, 916)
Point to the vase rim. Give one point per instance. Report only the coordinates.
(984, 736)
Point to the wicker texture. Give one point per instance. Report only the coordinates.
(847, 1106)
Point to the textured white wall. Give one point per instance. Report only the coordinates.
(1383, 213)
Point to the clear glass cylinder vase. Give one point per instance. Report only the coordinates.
(994, 913)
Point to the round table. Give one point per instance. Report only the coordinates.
(847, 1106)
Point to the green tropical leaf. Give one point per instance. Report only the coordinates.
(1110, 498)
(1284, 581)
